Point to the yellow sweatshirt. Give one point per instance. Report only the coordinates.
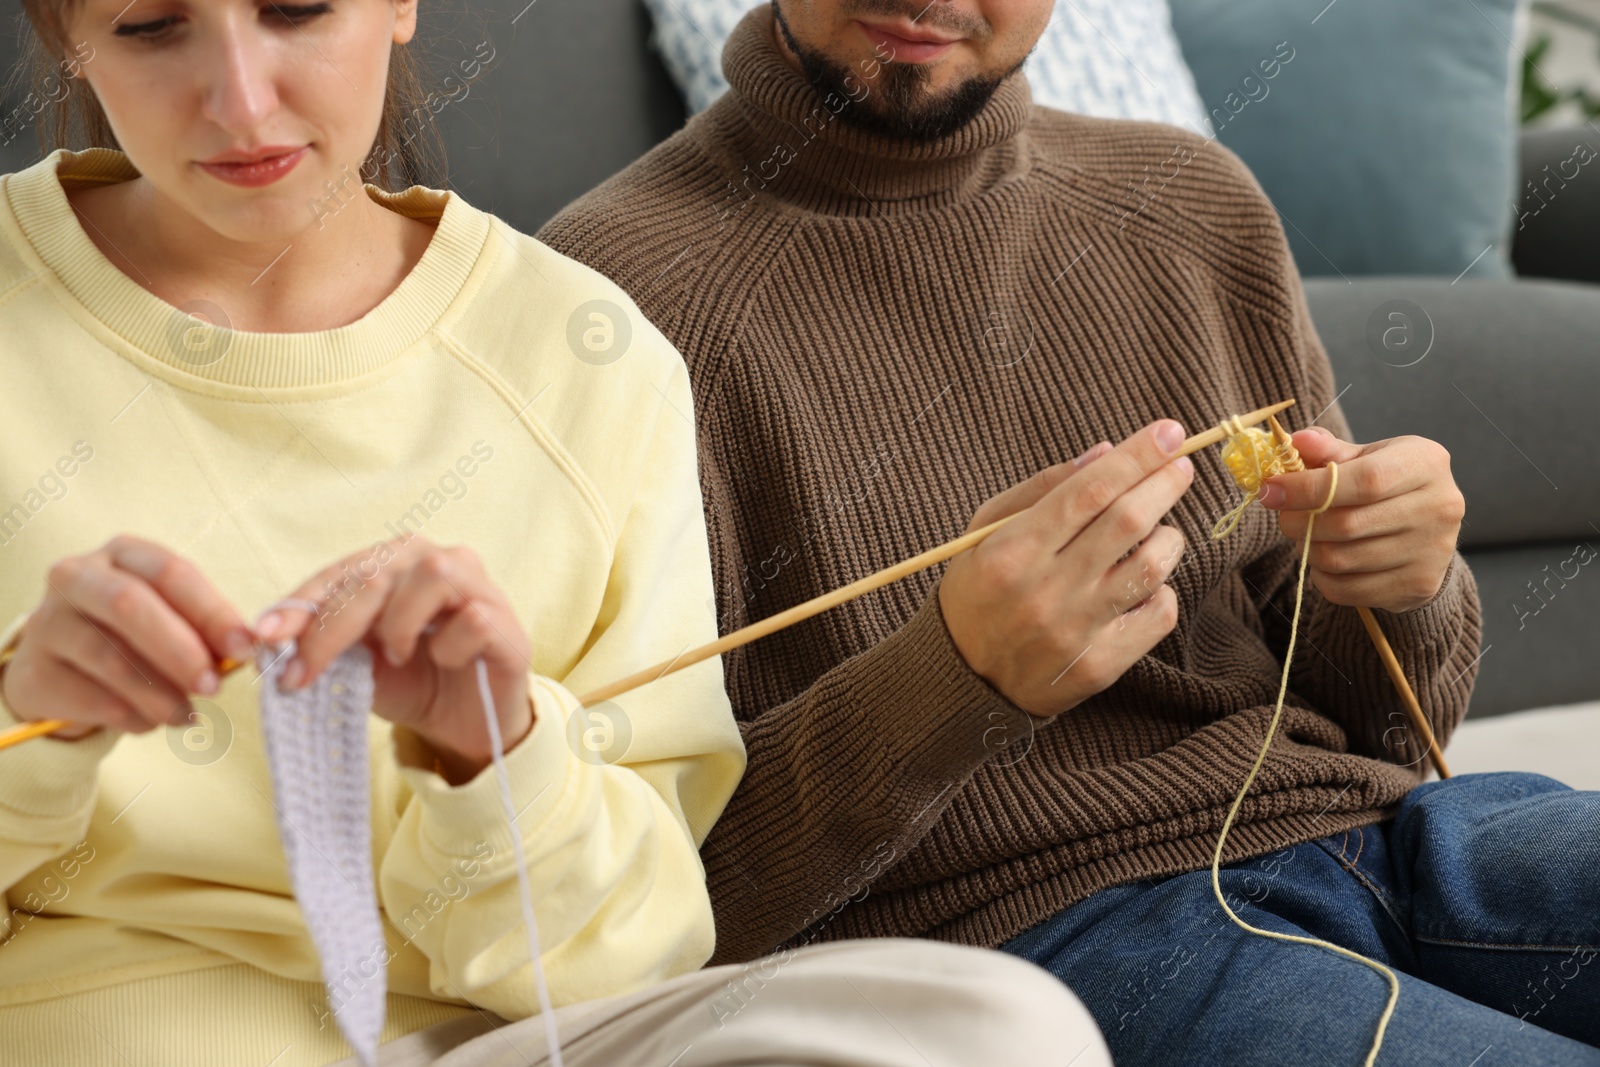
(502, 397)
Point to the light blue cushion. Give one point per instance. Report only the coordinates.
(1387, 141)
(1109, 58)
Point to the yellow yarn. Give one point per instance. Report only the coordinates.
(1251, 456)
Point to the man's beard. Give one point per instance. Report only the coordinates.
(907, 111)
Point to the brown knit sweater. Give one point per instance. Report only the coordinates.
(880, 337)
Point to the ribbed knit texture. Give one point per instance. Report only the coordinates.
(880, 337)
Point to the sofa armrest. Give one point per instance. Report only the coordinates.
(1504, 374)
(1556, 228)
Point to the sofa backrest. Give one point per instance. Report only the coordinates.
(574, 95)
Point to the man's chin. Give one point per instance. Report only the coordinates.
(907, 106)
(901, 100)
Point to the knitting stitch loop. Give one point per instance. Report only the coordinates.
(1251, 456)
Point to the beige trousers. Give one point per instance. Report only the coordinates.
(878, 1003)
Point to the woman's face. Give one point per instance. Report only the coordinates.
(189, 85)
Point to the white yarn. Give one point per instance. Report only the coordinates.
(497, 748)
(316, 741)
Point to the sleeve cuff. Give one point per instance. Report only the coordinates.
(47, 778)
(455, 819)
(1438, 621)
(954, 718)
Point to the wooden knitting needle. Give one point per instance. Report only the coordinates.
(29, 730)
(774, 623)
(817, 605)
(1397, 674)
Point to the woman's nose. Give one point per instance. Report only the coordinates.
(240, 80)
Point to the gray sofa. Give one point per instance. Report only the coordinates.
(1509, 384)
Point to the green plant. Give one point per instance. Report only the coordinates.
(1538, 94)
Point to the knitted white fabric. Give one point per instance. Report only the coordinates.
(316, 742)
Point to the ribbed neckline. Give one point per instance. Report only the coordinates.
(839, 169)
(168, 338)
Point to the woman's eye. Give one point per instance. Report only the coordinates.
(299, 13)
(293, 14)
(144, 29)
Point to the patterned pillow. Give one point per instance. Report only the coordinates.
(1108, 58)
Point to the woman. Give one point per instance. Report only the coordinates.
(241, 384)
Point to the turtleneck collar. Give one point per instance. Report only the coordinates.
(165, 341)
(791, 142)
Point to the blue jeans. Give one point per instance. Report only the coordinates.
(1482, 895)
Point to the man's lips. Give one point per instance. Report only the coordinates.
(908, 44)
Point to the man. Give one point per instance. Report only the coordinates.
(904, 292)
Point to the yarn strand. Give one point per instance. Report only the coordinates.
(1249, 471)
(497, 750)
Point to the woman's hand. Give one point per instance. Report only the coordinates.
(1391, 532)
(125, 633)
(387, 596)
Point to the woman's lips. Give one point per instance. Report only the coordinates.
(264, 172)
(903, 49)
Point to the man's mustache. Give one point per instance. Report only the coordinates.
(931, 14)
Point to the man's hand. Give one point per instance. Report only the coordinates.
(1054, 607)
(1391, 532)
